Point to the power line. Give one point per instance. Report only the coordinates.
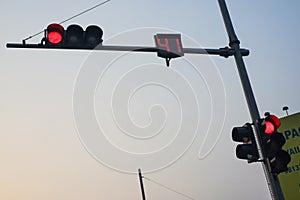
(68, 19)
(84, 11)
(168, 188)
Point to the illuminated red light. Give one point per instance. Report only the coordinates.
(270, 128)
(272, 123)
(54, 37)
(55, 33)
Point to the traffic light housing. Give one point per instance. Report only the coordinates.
(273, 142)
(55, 34)
(247, 150)
(73, 37)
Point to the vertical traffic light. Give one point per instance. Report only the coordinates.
(273, 142)
(247, 150)
(73, 37)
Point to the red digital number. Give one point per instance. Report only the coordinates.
(178, 45)
(165, 44)
(169, 45)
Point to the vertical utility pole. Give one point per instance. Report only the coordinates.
(234, 43)
(142, 185)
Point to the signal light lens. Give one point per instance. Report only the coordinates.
(270, 128)
(272, 123)
(74, 36)
(246, 151)
(93, 36)
(54, 37)
(55, 33)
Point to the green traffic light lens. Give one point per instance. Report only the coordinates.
(249, 156)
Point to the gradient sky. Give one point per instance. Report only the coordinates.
(174, 123)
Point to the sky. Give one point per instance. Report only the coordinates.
(79, 124)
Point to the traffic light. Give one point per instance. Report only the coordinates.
(73, 37)
(247, 150)
(55, 34)
(273, 142)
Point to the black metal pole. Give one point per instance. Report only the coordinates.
(142, 185)
(225, 52)
(234, 43)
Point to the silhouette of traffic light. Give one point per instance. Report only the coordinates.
(73, 37)
(273, 142)
(247, 150)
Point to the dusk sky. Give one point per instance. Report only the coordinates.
(79, 124)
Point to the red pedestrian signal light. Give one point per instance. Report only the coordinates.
(74, 37)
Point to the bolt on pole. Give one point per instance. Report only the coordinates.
(234, 43)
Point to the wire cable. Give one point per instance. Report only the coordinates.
(168, 188)
(68, 19)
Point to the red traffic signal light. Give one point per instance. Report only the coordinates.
(54, 34)
(247, 150)
(74, 37)
(272, 123)
(273, 142)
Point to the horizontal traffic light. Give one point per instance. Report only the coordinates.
(73, 37)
